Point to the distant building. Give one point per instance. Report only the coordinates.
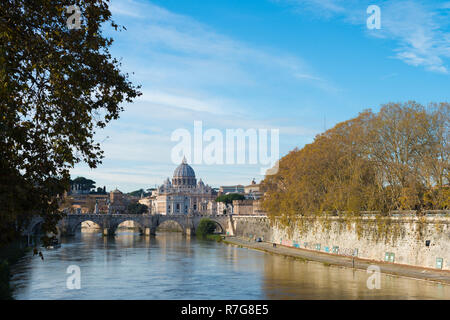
(86, 203)
(117, 202)
(232, 189)
(146, 201)
(101, 201)
(247, 207)
(252, 191)
(252, 204)
(116, 196)
(77, 189)
(182, 195)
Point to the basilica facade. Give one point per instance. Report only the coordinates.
(183, 195)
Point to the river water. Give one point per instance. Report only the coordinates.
(173, 266)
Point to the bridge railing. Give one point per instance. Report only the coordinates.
(86, 215)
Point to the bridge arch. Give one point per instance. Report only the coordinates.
(221, 222)
(171, 220)
(36, 228)
(218, 225)
(168, 222)
(136, 223)
(75, 225)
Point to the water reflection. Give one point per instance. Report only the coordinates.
(173, 266)
(312, 280)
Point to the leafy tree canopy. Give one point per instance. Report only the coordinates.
(228, 198)
(99, 191)
(57, 87)
(85, 184)
(138, 193)
(205, 227)
(396, 159)
(137, 208)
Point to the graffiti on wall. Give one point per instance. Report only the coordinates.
(352, 252)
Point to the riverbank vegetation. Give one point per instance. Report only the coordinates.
(214, 237)
(205, 228)
(395, 159)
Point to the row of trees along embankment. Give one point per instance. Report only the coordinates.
(396, 159)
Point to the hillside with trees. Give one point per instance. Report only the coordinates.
(138, 193)
(396, 159)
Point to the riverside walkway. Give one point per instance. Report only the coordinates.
(440, 276)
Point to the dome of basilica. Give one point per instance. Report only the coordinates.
(184, 175)
(184, 171)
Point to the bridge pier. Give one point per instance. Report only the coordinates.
(189, 232)
(229, 229)
(67, 232)
(150, 231)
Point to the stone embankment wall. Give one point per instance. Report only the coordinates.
(253, 227)
(247, 207)
(410, 240)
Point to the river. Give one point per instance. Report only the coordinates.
(173, 266)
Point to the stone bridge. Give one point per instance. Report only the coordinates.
(146, 223)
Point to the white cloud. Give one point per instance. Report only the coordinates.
(123, 8)
(190, 72)
(419, 32)
(180, 100)
(183, 46)
(420, 28)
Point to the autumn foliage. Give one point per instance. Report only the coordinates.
(396, 159)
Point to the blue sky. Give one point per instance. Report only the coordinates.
(293, 65)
